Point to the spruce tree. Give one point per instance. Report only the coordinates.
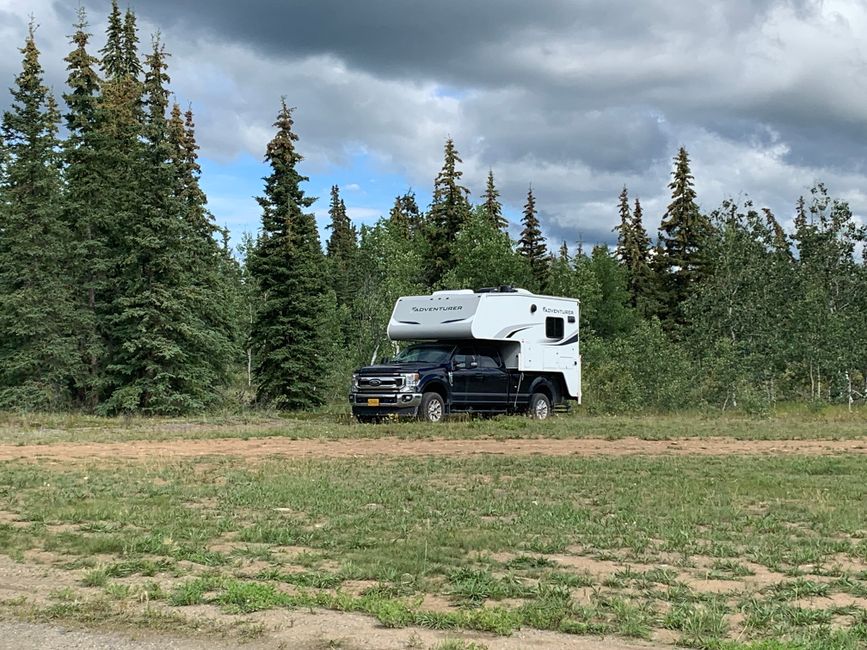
(449, 211)
(131, 64)
(683, 233)
(88, 261)
(341, 248)
(38, 350)
(217, 295)
(492, 205)
(405, 215)
(633, 251)
(170, 352)
(113, 63)
(532, 243)
(112, 206)
(622, 229)
(398, 218)
(290, 328)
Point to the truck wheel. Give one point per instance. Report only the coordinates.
(432, 408)
(540, 406)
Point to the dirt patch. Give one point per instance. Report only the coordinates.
(374, 447)
(12, 519)
(827, 602)
(714, 586)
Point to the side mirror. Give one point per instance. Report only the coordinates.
(458, 365)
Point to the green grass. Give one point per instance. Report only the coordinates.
(789, 422)
(491, 537)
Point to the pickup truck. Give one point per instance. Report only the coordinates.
(429, 381)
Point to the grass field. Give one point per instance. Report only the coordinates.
(761, 552)
(790, 422)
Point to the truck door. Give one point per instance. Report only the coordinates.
(492, 381)
(463, 378)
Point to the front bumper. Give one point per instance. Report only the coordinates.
(389, 403)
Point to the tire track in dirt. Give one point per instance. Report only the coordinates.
(389, 447)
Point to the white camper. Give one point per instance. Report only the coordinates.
(534, 333)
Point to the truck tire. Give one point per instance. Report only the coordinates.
(432, 408)
(540, 406)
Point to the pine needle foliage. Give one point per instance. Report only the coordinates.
(38, 350)
(532, 244)
(449, 211)
(290, 331)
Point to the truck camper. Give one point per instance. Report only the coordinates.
(497, 350)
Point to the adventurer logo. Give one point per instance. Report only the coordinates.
(439, 308)
(564, 312)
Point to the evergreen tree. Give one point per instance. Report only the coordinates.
(38, 350)
(217, 291)
(449, 212)
(291, 326)
(88, 260)
(683, 233)
(532, 243)
(405, 214)
(623, 228)
(110, 205)
(169, 352)
(113, 63)
(493, 207)
(131, 64)
(341, 249)
(633, 251)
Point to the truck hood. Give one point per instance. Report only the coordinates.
(392, 368)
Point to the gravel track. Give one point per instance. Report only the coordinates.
(377, 447)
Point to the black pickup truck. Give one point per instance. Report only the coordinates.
(429, 381)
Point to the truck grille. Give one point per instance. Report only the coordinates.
(387, 384)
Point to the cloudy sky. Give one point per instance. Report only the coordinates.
(575, 97)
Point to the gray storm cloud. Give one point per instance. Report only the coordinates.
(577, 98)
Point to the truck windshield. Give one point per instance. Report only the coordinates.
(425, 354)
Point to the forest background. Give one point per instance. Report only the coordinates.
(120, 294)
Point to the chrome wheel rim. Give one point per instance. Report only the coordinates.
(541, 410)
(435, 410)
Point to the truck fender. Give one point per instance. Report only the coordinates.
(436, 385)
(547, 386)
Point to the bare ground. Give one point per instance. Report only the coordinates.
(372, 447)
(311, 629)
(277, 629)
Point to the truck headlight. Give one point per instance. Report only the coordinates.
(410, 381)
(354, 381)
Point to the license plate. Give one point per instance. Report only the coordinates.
(372, 401)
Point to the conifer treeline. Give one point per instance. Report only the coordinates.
(118, 293)
(114, 291)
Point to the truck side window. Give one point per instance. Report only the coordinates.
(464, 355)
(489, 359)
(554, 327)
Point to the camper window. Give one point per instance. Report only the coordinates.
(554, 328)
